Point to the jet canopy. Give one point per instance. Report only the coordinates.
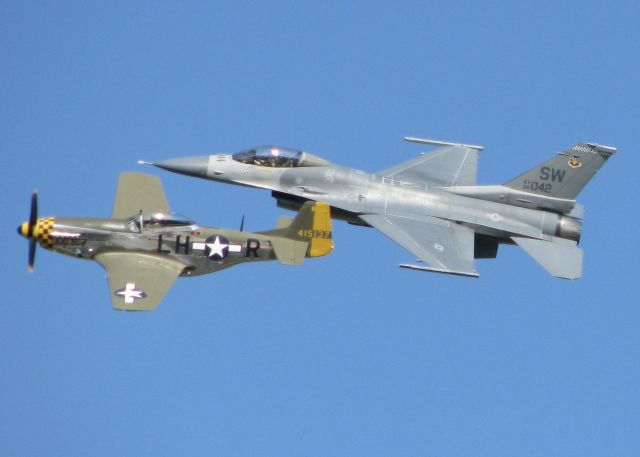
(158, 220)
(279, 157)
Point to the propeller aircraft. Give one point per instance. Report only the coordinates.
(144, 247)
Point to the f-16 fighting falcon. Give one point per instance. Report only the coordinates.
(144, 247)
(431, 205)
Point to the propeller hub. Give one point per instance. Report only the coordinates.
(23, 229)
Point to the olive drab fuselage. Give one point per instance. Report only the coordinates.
(201, 249)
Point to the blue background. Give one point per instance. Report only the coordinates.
(348, 354)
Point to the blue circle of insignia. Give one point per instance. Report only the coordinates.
(216, 247)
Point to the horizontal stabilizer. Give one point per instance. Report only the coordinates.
(289, 252)
(561, 258)
(284, 222)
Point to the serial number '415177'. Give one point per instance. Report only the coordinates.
(322, 234)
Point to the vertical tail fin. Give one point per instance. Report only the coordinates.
(307, 235)
(312, 224)
(566, 174)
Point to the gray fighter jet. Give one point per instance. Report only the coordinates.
(144, 247)
(431, 205)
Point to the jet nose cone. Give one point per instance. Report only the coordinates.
(192, 166)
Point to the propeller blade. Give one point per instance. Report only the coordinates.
(242, 223)
(33, 216)
(32, 253)
(33, 220)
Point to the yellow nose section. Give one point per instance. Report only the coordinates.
(41, 231)
(24, 229)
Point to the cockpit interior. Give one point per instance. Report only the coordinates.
(158, 220)
(278, 157)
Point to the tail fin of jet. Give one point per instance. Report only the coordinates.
(307, 235)
(564, 175)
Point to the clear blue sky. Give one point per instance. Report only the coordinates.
(348, 354)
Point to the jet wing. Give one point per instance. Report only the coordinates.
(446, 166)
(138, 281)
(446, 246)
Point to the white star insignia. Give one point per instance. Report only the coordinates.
(216, 248)
(330, 175)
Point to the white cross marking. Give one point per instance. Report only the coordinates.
(130, 293)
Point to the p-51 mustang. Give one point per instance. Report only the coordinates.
(144, 247)
(430, 205)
